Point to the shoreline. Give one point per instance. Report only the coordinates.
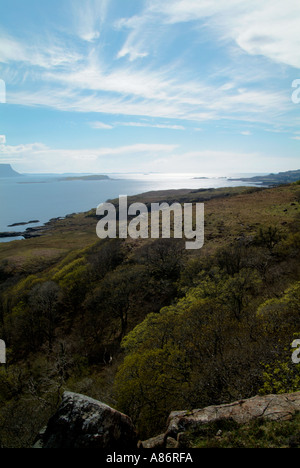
(38, 231)
(31, 232)
(159, 195)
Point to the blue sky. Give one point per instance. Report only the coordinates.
(201, 86)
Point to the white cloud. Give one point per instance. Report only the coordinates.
(42, 54)
(162, 126)
(104, 126)
(138, 39)
(22, 149)
(10, 49)
(269, 28)
(37, 157)
(250, 106)
(86, 82)
(2, 139)
(177, 11)
(220, 162)
(89, 17)
(127, 90)
(101, 126)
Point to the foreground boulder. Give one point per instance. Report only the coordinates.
(270, 408)
(81, 422)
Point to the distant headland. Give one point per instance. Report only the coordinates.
(273, 179)
(7, 171)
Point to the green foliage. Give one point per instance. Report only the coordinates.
(186, 356)
(268, 237)
(280, 317)
(71, 274)
(151, 383)
(257, 434)
(281, 377)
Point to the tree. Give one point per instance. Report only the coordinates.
(43, 300)
(115, 302)
(268, 237)
(163, 258)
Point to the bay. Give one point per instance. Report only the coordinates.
(42, 197)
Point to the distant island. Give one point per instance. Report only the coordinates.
(88, 177)
(273, 179)
(7, 171)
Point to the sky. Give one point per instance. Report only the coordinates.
(183, 86)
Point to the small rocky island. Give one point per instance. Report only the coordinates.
(35, 221)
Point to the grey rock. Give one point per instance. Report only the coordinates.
(81, 422)
(159, 442)
(270, 407)
(171, 443)
(154, 442)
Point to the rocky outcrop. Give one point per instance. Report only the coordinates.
(159, 442)
(270, 407)
(82, 422)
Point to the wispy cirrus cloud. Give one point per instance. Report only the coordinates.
(269, 28)
(44, 55)
(89, 17)
(91, 86)
(82, 80)
(148, 67)
(196, 105)
(103, 126)
(149, 125)
(141, 31)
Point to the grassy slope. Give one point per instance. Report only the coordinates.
(229, 214)
(257, 434)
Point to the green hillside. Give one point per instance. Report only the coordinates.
(146, 326)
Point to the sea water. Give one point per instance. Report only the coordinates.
(42, 197)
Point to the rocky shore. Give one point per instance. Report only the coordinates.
(30, 232)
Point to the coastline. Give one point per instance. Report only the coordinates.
(31, 232)
(158, 196)
(263, 182)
